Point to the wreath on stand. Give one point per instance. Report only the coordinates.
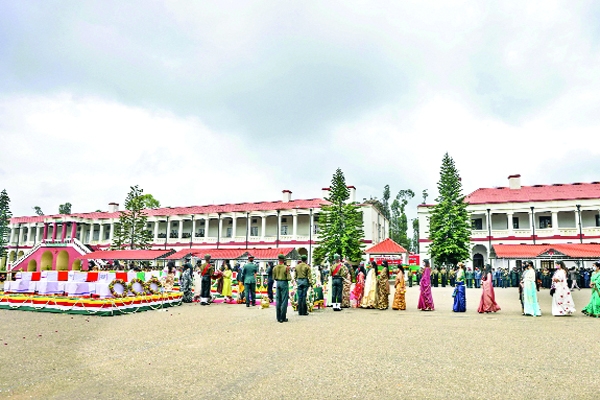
(118, 288)
(137, 287)
(153, 286)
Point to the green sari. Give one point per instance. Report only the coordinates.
(593, 307)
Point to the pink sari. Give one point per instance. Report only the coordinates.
(357, 292)
(426, 298)
(488, 298)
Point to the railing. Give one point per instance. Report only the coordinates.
(24, 256)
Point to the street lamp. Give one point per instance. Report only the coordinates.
(579, 219)
(532, 224)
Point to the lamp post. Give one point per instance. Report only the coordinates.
(247, 227)
(166, 232)
(219, 230)
(310, 229)
(278, 227)
(532, 224)
(579, 219)
(489, 226)
(192, 234)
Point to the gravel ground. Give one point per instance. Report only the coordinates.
(232, 352)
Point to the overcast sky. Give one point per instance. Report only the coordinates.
(231, 101)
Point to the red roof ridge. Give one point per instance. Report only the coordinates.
(388, 246)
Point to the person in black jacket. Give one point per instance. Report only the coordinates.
(270, 281)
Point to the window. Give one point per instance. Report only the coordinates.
(515, 222)
(284, 230)
(254, 220)
(545, 222)
(148, 225)
(315, 228)
(228, 234)
(254, 231)
(202, 223)
(283, 219)
(477, 224)
(597, 219)
(200, 232)
(174, 224)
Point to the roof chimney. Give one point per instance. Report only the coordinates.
(514, 181)
(113, 207)
(287, 196)
(352, 198)
(325, 192)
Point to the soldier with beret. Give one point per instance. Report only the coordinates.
(249, 271)
(338, 273)
(281, 275)
(303, 278)
(206, 272)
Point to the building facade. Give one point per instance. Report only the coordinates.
(539, 214)
(269, 224)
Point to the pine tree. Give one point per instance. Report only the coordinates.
(385, 202)
(415, 239)
(131, 230)
(340, 224)
(64, 208)
(399, 221)
(449, 229)
(5, 216)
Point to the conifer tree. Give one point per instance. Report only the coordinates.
(340, 224)
(5, 216)
(449, 229)
(399, 221)
(131, 230)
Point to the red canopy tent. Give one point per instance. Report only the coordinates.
(141, 255)
(578, 251)
(387, 250)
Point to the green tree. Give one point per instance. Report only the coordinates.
(131, 230)
(449, 229)
(5, 216)
(150, 201)
(415, 239)
(385, 202)
(399, 221)
(64, 208)
(38, 210)
(340, 224)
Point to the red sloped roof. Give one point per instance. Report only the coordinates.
(388, 246)
(125, 255)
(168, 211)
(573, 191)
(572, 250)
(220, 254)
(270, 254)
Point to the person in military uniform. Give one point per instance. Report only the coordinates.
(281, 275)
(304, 280)
(338, 273)
(249, 271)
(186, 281)
(206, 272)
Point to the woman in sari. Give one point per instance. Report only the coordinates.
(170, 277)
(383, 288)
(346, 288)
(562, 301)
(460, 295)
(593, 307)
(425, 297)
(358, 289)
(227, 292)
(400, 289)
(197, 277)
(529, 295)
(368, 300)
(487, 303)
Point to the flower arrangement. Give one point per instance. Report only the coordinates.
(114, 288)
(132, 287)
(153, 286)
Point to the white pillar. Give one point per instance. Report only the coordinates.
(101, 234)
(294, 226)
(111, 233)
(555, 222)
(234, 227)
(156, 224)
(206, 226)
(577, 222)
(91, 234)
(510, 228)
(180, 233)
(264, 227)
(279, 223)
(220, 229)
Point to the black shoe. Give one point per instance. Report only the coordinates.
(247, 305)
(285, 320)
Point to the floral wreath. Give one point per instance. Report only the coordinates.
(149, 288)
(121, 282)
(136, 292)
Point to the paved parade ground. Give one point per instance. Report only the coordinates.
(232, 352)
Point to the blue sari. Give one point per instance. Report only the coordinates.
(460, 296)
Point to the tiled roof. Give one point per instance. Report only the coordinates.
(572, 250)
(573, 191)
(125, 255)
(169, 211)
(271, 254)
(388, 246)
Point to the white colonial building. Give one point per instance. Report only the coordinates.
(287, 223)
(525, 215)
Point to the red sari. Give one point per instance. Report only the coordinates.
(488, 298)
